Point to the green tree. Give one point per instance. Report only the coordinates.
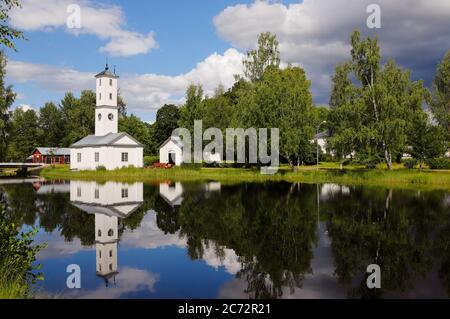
(167, 119)
(441, 98)
(51, 124)
(426, 140)
(7, 33)
(281, 99)
(372, 117)
(266, 55)
(139, 130)
(191, 110)
(24, 137)
(7, 97)
(79, 116)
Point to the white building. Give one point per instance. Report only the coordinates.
(108, 202)
(172, 193)
(171, 152)
(107, 147)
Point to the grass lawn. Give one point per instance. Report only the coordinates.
(328, 173)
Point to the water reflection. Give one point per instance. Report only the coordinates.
(271, 240)
(107, 202)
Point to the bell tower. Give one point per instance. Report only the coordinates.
(106, 111)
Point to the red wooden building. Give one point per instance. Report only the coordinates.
(49, 155)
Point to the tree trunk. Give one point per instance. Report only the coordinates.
(388, 158)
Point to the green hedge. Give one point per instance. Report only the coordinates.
(439, 163)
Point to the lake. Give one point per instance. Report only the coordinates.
(209, 240)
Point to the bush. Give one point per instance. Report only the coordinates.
(438, 163)
(150, 160)
(101, 168)
(17, 256)
(410, 163)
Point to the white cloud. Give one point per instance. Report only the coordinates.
(25, 107)
(107, 22)
(315, 33)
(143, 93)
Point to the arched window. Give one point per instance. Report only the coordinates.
(99, 233)
(110, 233)
(110, 253)
(110, 267)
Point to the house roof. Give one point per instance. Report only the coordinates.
(107, 140)
(107, 73)
(53, 151)
(175, 139)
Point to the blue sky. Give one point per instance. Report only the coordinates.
(203, 42)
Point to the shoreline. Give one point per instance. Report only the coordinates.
(398, 178)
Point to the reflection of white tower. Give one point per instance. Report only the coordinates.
(109, 202)
(171, 193)
(106, 239)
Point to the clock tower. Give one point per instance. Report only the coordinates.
(106, 111)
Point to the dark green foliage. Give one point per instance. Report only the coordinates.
(438, 163)
(17, 252)
(410, 163)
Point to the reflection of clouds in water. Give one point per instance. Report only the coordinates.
(129, 280)
(228, 259)
(57, 246)
(149, 236)
(322, 284)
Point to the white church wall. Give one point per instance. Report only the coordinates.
(110, 157)
(107, 194)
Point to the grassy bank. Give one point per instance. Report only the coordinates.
(352, 176)
(12, 286)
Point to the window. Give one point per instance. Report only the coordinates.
(97, 157)
(99, 233)
(99, 82)
(124, 192)
(79, 191)
(97, 193)
(110, 82)
(99, 117)
(110, 96)
(110, 253)
(110, 233)
(124, 157)
(99, 254)
(99, 267)
(110, 267)
(99, 96)
(111, 116)
(79, 157)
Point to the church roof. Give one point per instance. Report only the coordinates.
(107, 73)
(107, 140)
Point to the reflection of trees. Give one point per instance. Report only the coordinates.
(271, 227)
(379, 226)
(55, 212)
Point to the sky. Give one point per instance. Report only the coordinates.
(160, 47)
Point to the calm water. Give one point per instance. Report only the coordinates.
(275, 240)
